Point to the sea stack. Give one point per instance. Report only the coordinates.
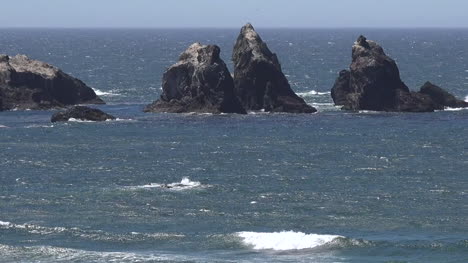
(32, 84)
(259, 82)
(81, 113)
(198, 82)
(373, 83)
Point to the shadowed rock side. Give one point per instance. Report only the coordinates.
(258, 80)
(373, 83)
(199, 82)
(81, 113)
(31, 84)
(441, 97)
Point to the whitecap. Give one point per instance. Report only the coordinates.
(312, 93)
(106, 93)
(78, 120)
(3, 126)
(454, 109)
(466, 98)
(286, 240)
(184, 184)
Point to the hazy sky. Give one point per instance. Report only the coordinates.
(234, 13)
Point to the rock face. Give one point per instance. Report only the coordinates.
(441, 97)
(258, 79)
(31, 84)
(81, 113)
(373, 83)
(199, 82)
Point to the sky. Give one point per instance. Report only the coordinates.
(233, 13)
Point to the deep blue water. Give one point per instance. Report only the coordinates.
(329, 187)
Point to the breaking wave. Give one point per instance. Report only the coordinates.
(59, 254)
(312, 93)
(105, 93)
(286, 240)
(95, 235)
(184, 184)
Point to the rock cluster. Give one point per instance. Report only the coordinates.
(81, 113)
(373, 83)
(201, 82)
(32, 84)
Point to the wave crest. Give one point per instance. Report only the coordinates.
(285, 240)
(184, 184)
(312, 93)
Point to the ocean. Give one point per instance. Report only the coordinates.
(328, 187)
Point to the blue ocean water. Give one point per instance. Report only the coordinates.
(329, 187)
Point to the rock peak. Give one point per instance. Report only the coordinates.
(199, 82)
(258, 79)
(362, 41)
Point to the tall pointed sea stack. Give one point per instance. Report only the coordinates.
(373, 83)
(198, 82)
(32, 84)
(258, 79)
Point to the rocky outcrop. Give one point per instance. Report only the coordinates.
(441, 97)
(373, 83)
(341, 89)
(32, 84)
(199, 82)
(258, 79)
(81, 113)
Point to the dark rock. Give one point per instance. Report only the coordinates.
(81, 113)
(341, 89)
(441, 97)
(373, 83)
(31, 84)
(258, 79)
(199, 82)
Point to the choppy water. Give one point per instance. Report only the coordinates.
(328, 187)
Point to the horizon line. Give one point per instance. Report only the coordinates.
(229, 27)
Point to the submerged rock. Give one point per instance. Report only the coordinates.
(32, 84)
(81, 113)
(199, 82)
(373, 83)
(258, 79)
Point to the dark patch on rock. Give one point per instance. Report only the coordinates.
(32, 84)
(198, 82)
(81, 113)
(258, 79)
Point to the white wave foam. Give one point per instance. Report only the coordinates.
(286, 240)
(454, 109)
(60, 254)
(39, 126)
(466, 98)
(78, 120)
(312, 93)
(184, 184)
(86, 234)
(3, 126)
(105, 93)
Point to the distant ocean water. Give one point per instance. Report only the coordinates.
(329, 187)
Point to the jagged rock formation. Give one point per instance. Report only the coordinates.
(441, 97)
(81, 113)
(258, 79)
(32, 84)
(199, 82)
(373, 83)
